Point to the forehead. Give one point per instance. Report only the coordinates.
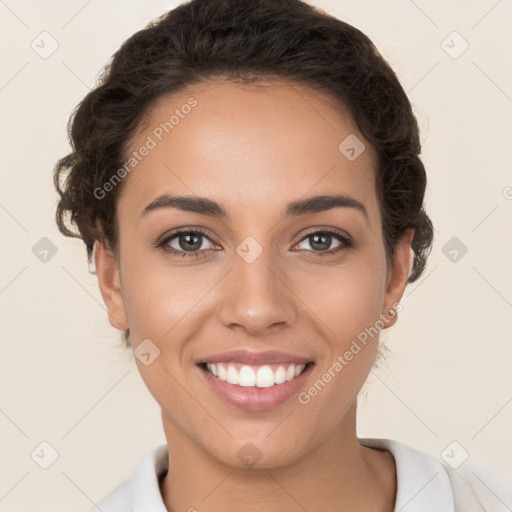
(248, 145)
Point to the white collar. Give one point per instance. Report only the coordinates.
(423, 484)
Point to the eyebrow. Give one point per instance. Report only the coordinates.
(204, 206)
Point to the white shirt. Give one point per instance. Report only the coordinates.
(424, 484)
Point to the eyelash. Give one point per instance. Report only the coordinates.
(162, 244)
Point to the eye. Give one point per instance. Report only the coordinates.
(320, 241)
(186, 242)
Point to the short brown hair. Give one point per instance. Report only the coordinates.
(243, 40)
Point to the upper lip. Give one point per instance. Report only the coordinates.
(254, 358)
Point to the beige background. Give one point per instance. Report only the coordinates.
(64, 378)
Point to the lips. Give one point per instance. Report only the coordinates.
(250, 358)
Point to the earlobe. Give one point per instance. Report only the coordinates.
(107, 271)
(398, 274)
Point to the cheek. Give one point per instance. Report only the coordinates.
(349, 305)
(355, 305)
(348, 299)
(159, 296)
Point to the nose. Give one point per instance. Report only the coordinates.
(256, 299)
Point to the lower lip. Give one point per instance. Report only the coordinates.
(252, 398)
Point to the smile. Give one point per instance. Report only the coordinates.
(264, 376)
(255, 388)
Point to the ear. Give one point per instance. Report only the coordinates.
(398, 273)
(109, 281)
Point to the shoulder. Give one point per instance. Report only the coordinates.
(426, 483)
(141, 492)
(479, 488)
(119, 500)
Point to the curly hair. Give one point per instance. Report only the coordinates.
(250, 40)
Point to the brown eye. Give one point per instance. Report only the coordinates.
(186, 243)
(320, 242)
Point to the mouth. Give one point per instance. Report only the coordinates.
(263, 376)
(255, 381)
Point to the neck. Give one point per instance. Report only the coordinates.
(338, 474)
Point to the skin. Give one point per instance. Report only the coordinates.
(253, 149)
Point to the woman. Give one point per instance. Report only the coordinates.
(247, 179)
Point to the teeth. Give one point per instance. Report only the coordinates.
(246, 377)
(264, 377)
(232, 375)
(261, 377)
(221, 370)
(280, 375)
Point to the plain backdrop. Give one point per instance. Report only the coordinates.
(65, 380)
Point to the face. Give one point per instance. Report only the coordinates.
(259, 267)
